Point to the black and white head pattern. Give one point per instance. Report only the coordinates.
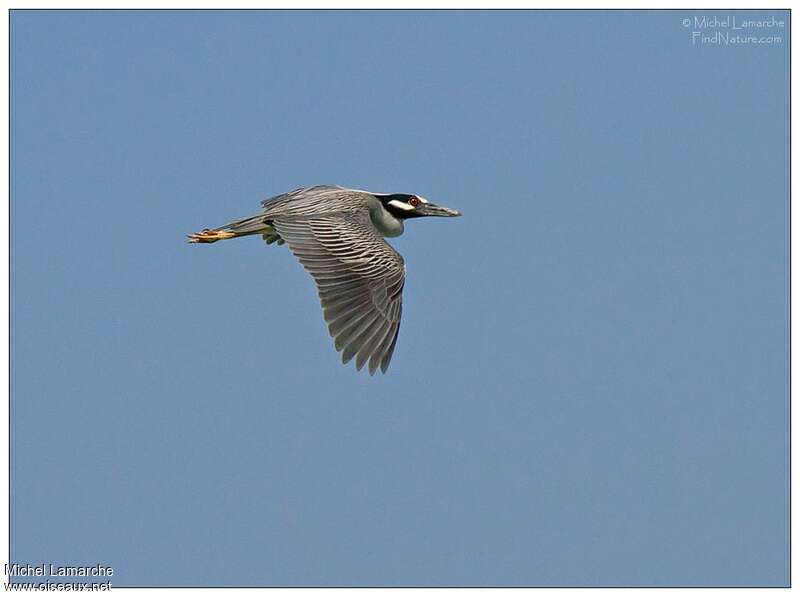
(402, 206)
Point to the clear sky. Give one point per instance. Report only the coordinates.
(591, 381)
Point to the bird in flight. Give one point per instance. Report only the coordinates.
(337, 234)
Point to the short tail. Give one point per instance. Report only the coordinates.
(245, 227)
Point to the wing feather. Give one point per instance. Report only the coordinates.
(359, 279)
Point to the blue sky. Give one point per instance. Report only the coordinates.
(591, 381)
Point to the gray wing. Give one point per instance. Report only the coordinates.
(359, 278)
(306, 201)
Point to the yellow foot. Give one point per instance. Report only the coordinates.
(210, 236)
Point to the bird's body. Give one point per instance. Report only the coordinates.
(337, 234)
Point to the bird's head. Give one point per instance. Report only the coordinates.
(413, 206)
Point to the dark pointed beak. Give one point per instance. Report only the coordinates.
(430, 209)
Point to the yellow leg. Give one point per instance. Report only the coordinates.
(210, 236)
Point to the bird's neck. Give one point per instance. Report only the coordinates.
(386, 223)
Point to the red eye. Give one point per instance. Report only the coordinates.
(414, 201)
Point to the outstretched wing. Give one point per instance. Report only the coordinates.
(359, 278)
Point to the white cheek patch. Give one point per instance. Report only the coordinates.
(401, 205)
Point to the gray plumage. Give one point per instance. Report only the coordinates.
(337, 234)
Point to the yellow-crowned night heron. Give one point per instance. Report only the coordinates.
(337, 234)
